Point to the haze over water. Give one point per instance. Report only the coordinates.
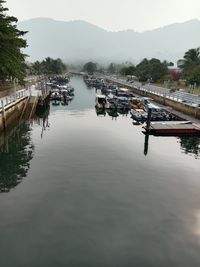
(82, 193)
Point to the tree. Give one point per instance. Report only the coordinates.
(142, 70)
(90, 67)
(153, 69)
(49, 66)
(11, 42)
(193, 75)
(131, 70)
(37, 67)
(192, 57)
(191, 66)
(158, 70)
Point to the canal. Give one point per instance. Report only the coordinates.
(79, 189)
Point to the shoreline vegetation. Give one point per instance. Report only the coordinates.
(14, 66)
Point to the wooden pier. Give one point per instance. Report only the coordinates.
(175, 128)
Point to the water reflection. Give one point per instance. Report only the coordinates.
(146, 144)
(190, 145)
(112, 113)
(16, 153)
(100, 111)
(42, 119)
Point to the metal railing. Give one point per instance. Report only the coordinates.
(15, 97)
(179, 96)
(37, 90)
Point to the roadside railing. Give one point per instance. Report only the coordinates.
(179, 96)
(39, 89)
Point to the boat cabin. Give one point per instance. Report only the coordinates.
(100, 101)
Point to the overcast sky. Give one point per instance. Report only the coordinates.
(113, 15)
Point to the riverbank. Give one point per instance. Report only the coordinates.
(180, 102)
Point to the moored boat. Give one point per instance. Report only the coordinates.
(139, 115)
(100, 101)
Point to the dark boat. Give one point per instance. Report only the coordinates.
(139, 115)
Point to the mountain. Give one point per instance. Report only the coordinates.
(75, 41)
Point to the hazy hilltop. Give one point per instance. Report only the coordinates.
(81, 41)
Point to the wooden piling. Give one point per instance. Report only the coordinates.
(149, 118)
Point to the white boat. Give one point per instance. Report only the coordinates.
(100, 101)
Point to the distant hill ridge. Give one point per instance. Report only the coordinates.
(78, 40)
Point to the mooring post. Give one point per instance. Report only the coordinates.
(3, 115)
(149, 117)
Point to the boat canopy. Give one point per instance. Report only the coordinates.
(101, 96)
(123, 89)
(122, 98)
(154, 107)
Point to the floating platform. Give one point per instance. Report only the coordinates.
(173, 128)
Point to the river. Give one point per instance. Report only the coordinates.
(79, 189)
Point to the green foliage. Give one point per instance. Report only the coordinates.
(191, 66)
(131, 70)
(153, 69)
(191, 58)
(49, 66)
(193, 75)
(11, 42)
(90, 67)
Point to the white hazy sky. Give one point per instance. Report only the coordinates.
(113, 15)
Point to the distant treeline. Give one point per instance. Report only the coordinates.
(47, 66)
(12, 60)
(154, 70)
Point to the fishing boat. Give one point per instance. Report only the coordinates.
(55, 96)
(139, 115)
(100, 101)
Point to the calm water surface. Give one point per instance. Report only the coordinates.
(84, 191)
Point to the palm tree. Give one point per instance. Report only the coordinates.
(191, 66)
(192, 57)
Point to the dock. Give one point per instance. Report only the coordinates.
(173, 128)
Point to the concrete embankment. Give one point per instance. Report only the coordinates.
(23, 109)
(22, 106)
(181, 107)
(12, 114)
